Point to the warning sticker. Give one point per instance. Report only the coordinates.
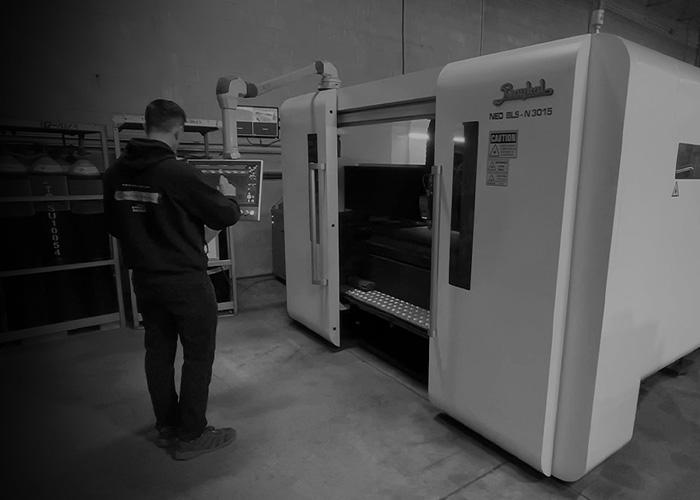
(497, 173)
(503, 144)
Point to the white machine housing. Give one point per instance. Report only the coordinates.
(585, 274)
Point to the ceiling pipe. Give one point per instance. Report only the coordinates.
(597, 18)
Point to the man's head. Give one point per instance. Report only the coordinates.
(165, 121)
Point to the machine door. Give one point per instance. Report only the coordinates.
(310, 188)
(506, 207)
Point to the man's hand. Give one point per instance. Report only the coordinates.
(225, 187)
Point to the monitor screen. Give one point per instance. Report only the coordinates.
(244, 175)
(257, 121)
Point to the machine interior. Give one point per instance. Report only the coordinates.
(386, 232)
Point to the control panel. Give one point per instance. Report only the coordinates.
(257, 121)
(244, 175)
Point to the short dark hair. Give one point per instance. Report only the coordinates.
(164, 115)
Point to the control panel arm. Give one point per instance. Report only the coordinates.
(230, 89)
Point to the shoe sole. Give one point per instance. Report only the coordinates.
(165, 443)
(189, 455)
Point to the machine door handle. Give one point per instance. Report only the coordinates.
(689, 170)
(436, 173)
(314, 229)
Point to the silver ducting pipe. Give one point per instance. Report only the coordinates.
(597, 18)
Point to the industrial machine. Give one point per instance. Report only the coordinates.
(558, 264)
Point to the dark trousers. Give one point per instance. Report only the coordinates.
(184, 307)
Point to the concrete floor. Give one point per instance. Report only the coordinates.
(313, 423)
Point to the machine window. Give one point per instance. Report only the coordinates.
(688, 161)
(465, 153)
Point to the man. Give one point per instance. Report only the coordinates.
(158, 207)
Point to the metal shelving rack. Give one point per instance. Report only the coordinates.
(137, 122)
(65, 129)
(121, 123)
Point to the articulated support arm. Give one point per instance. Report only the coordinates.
(229, 89)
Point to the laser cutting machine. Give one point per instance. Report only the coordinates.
(534, 213)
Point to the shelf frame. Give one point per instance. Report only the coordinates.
(53, 127)
(50, 198)
(52, 269)
(137, 122)
(136, 319)
(60, 127)
(123, 122)
(75, 324)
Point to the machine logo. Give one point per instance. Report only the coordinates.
(510, 93)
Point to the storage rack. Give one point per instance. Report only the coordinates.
(137, 122)
(64, 129)
(124, 122)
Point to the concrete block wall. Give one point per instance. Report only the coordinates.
(86, 61)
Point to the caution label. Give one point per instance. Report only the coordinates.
(497, 173)
(503, 144)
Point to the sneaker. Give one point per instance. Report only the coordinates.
(210, 440)
(167, 436)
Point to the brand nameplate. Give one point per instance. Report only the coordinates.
(510, 93)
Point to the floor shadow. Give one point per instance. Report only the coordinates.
(129, 467)
(526, 473)
(404, 350)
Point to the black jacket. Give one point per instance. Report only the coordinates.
(157, 206)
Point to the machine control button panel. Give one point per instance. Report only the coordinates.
(244, 175)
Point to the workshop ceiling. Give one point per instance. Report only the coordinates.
(681, 11)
